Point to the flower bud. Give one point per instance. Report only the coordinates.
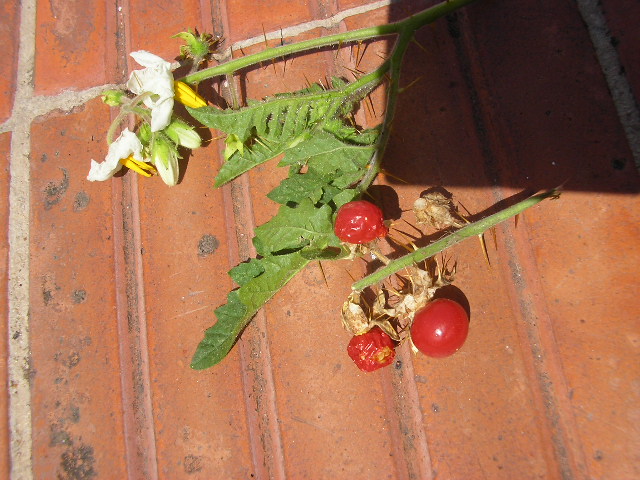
(113, 98)
(197, 45)
(183, 134)
(164, 155)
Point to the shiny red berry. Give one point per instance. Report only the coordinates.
(440, 328)
(372, 350)
(360, 222)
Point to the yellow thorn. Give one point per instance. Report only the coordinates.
(338, 49)
(386, 173)
(366, 45)
(404, 89)
(349, 273)
(418, 44)
(371, 103)
(403, 245)
(483, 245)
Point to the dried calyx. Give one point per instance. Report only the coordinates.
(393, 307)
(437, 210)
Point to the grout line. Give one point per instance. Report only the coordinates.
(328, 23)
(621, 93)
(19, 362)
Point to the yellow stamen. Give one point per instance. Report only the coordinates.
(143, 168)
(187, 96)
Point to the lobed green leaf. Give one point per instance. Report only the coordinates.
(296, 227)
(243, 303)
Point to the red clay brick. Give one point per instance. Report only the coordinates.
(5, 151)
(73, 47)
(9, 26)
(471, 408)
(586, 273)
(310, 390)
(151, 25)
(544, 386)
(76, 394)
(250, 19)
(200, 417)
(562, 125)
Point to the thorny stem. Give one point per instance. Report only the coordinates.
(395, 61)
(407, 25)
(470, 230)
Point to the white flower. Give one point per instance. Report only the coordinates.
(157, 79)
(127, 144)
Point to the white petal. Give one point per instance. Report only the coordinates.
(126, 144)
(157, 79)
(103, 171)
(147, 59)
(161, 113)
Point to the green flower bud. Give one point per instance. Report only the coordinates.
(183, 134)
(113, 98)
(164, 155)
(197, 45)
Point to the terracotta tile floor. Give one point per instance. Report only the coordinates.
(107, 287)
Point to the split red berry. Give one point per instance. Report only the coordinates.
(372, 350)
(359, 222)
(440, 328)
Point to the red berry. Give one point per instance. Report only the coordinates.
(440, 328)
(372, 350)
(359, 222)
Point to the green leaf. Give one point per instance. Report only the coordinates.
(328, 154)
(299, 186)
(345, 196)
(278, 270)
(218, 340)
(296, 227)
(243, 303)
(287, 114)
(244, 272)
(251, 156)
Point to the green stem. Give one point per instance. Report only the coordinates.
(471, 230)
(395, 62)
(409, 24)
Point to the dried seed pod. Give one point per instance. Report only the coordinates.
(354, 319)
(436, 210)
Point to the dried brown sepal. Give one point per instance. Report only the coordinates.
(420, 287)
(436, 210)
(357, 322)
(354, 319)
